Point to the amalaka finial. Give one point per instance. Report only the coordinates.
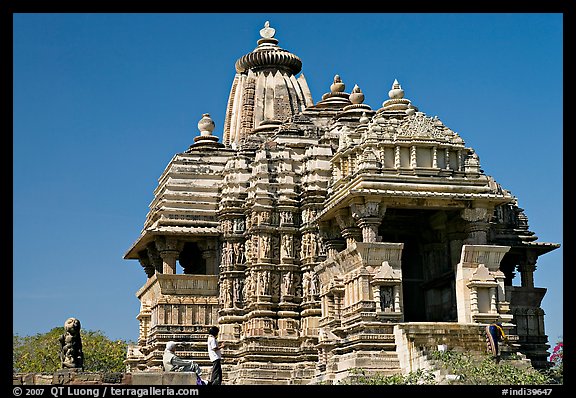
(267, 32)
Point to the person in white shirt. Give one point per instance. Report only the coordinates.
(215, 356)
(173, 363)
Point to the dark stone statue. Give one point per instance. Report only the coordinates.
(71, 355)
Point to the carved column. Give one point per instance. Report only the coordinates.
(527, 269)
(169, 258)
(169, 249)
(478, 225)
(210, 256)
(368, 216)
(434, 157)
(350, 231)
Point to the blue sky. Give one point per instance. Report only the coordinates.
(103, 101)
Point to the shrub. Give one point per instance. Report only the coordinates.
(40, 353)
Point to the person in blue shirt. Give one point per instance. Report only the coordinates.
(494, 334)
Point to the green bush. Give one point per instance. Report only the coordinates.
(471, 370)
(417, 377)
(482, 369)
(40, 353)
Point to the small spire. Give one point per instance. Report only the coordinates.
(267, 32)
(411, 110)
(206, 125)
(206, 139)
(337, 86)
(396, 92)
(396, 103)
(356, 96)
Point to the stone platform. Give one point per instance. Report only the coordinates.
(87, 378)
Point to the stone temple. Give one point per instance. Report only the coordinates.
(326, 236)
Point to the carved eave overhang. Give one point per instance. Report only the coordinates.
(415, 192)
(186, 233)
(171, 284)
(537, 248)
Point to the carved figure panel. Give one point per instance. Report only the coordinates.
(287, 249)
(287, 288)
(386, 298)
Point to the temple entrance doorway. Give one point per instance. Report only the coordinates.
(428, 279)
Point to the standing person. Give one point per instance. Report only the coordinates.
(494, 334)
(215, 355)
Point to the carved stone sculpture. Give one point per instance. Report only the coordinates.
(71, 355)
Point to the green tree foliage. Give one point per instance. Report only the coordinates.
(418, 377)
(40, 353)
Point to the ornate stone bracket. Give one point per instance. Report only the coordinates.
(350, 231)
(331, 238)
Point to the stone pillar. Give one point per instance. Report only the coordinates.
(478, 225)
(169, 250)
(434, 157)
(413, 162)
(527, 268)
(493, 300)
(369, 227)
(169, 258)
(368, 215)
(348, 228)
(211, 258)
(397, 298)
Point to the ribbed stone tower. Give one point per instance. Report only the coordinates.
(322, 237)
(265, 91)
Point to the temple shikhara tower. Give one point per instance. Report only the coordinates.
(326, 236)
